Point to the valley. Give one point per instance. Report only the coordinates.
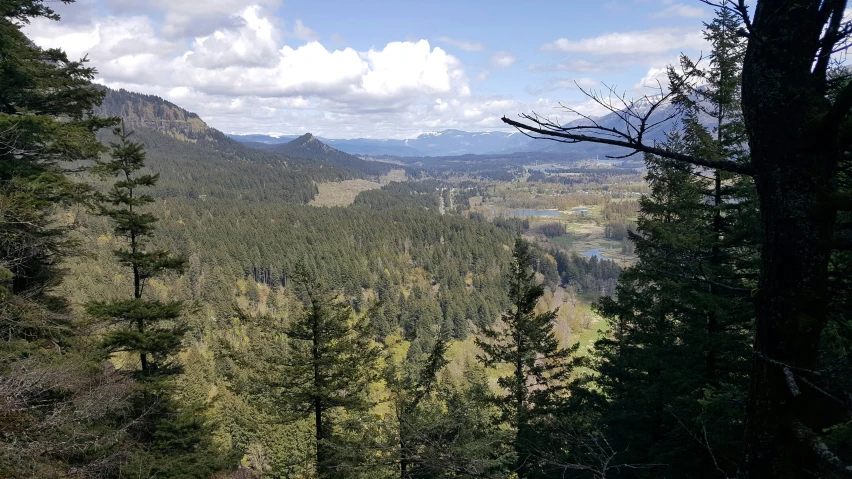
(388, 274)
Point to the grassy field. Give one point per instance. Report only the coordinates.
(343, 193)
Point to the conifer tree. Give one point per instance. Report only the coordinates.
(410, 384)
(331, 363)
(170, 437)
(680, 323)
(60, 407)
(147, 328)
(525, 341)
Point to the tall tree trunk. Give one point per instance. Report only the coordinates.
(794, 162)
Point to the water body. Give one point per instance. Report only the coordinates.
(525, 213)
(594, 253)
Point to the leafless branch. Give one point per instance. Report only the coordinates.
(638, 119)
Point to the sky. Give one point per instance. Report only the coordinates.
(376, 68)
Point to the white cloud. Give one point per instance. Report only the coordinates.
(503, 59)
(653, 41)
(182, 19)
(252, 45)
(654, 79)
(680, 10)
(245, 71)
(245, 57)
(463, 44)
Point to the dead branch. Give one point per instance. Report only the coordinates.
(637, 116)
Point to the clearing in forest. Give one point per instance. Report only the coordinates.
(343, 193)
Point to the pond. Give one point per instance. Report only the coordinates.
(525, 213)
(594, 253)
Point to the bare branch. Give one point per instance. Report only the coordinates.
(636, 115)
(832, 11)
(562, 136)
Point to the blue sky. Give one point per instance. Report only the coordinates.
(381, 69)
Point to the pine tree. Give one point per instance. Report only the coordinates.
(331, 363)
(60, 406)
(525, 341)
(148, 328)
(678, 356)
(170, 437)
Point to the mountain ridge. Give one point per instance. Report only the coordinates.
(452, 142)
(197, 160)
(448, 142)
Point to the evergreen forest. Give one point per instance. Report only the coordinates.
(177, 304)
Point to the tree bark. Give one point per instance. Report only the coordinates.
(795, 163)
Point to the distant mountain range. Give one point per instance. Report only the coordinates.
(444, 143)
(154, 113)
(457, 142)
(310, 148)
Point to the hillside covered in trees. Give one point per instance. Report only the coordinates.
(171, 305)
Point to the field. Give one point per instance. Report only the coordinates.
(343, 193)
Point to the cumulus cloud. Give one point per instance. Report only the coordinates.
(656, 77)
(246, 58)
(653, 41)
(503, 59)
(465, 45)
(246, 70)
(254, 44)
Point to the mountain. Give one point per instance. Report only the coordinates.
(310, 148)
(154, 113)
(443, 143)
(458, 143)
(197, 161)
(266, 139)
(306, 146)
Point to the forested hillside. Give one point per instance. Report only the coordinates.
(198, 161)
(172, 305)
(308, 147)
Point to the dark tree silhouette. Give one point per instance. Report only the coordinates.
(797, 120)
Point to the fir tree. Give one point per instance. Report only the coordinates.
(148, 328)
(410, 384)
(525, 341)
(677, 359)
(170, 438)
(331, 363)
(60, 406)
